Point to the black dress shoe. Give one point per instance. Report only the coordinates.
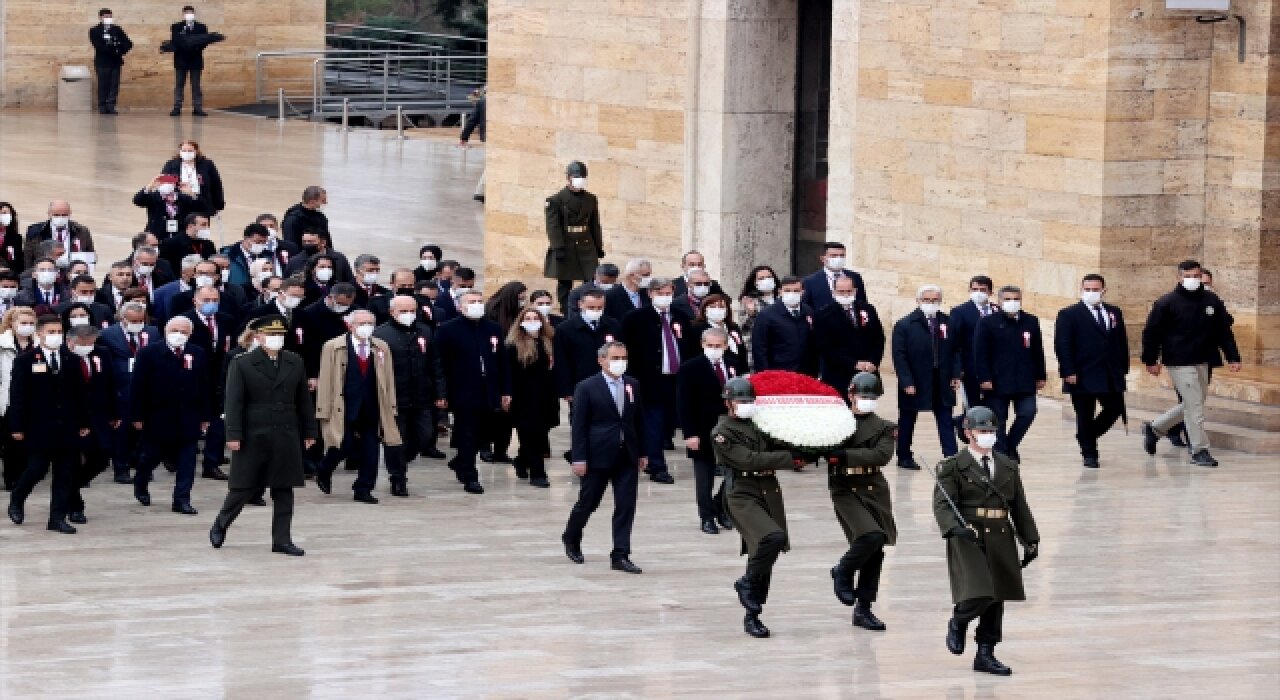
(16, 514)
(123, 479)
(400, 490)
(867, 620)
(365, 497)
(955, 636)
(217, 535)
(909, 463)
(1149, 438)
(433, 453)
(746, 596)
(724, 521)
(709, 527)
(624, 564)
(540, 481)
(1203, 459)
(473, 487)
(573, 550)
(259, 501)
(77, 518)
(61, 526)
(985, 661)
(291, 549)
(1091, 462)
(324, 482)
(143, 497)
(752, 625)
(843, 585)
(215, 473)
(176, 112)
(185, 509)
(200, 113)
(485, 456)
(662, 477)
(522, 473)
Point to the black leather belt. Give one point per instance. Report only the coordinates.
(767, 472)
(986, 512)
(852, 471)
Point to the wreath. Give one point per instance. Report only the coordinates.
(800, 412)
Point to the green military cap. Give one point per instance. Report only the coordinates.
(866, 384)
(271, 325)
(738, 388)
(980, 418)
(576, 169)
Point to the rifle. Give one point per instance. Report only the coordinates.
(954, 509)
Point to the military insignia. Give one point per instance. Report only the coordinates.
(1208, 310)
(720, 439)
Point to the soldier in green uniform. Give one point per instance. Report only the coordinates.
(982, 511)
(860, 495)
(575, 242)
(752, 496)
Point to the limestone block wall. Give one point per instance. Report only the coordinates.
(38, 38)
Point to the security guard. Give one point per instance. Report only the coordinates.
(860, 495)
(982, 511)
(575, 243)
(753, 496)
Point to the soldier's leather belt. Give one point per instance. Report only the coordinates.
(987, 512)
(852, 471)
(767, 472)
(575, 229)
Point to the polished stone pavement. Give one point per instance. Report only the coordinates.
(1156, 579)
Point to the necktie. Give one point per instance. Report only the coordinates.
(84, 369)
(177, 352)
(795, 313)
(592, 325)
(852, 317)
(933, 338)
(986, 468)
(1097, 315)
(616, 388)
(720, 373)
(48, 297)
(669, 341)
(133, 344)
(213, 330)
(831, 280)
(364, 352)
(53, 362)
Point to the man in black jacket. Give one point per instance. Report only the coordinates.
(576, 341)
(98, 388)
(188, 60)
(110, 44)
(306, 215)
(698, 387)
(193, 239)
(1008, 356)
(782, 337)
(606, 278)
(928, 370)
(1092, 346)
(1185, 330)
(323, 321)
(420, 386)
(632, 293)
(964, 323)
(849, 337)
(469, 348)
(214, 332)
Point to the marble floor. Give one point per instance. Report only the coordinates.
(1156, 579)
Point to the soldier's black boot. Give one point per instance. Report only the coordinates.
(864, 618)
(955, 635)
(843, 581)
(752, 625)
(986, 662)
(746, 596)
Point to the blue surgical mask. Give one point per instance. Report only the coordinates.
(209, 308)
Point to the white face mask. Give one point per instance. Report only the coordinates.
(108, 21)
(930, 309)
(604, 286)
(1191, 284)
(78, 321)
(578, 183)
(257, 248)
(324, 274)
(189, 17)
(134, 328)
(370, 279)
(46, 277)
(273, 343)
(978, 297)
(144, 270)
(865, 405)
(717, 314)
(25, 329)
(7, 293)
(766, 285)
(82, 350)
(985, 440)
(701, 290)
(262, 276)
(835, 262)
(1011, 306)
(544, 309)
(187, 155)
(6, 219)
(274, 233)
(644, 282)
(531, 327)
(204, 234)
(225, 274)
(1091, 298)
(63, 261)
(662, 301)
(291, 302)
(340, 308)
(364, 331)
(60, 221)
(688, 271)
(84, 299)
(744, 410)
(791, 299)
(406, 319)
(175, 339)
(475, 310)
(53, 341)
(845, 299)
(714, 354)
(428, 265)
(591, 315)
(165, 189)
(203, 281)
(617, 367)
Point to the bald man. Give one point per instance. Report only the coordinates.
(74, 236)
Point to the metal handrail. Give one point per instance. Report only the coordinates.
(299, 53)
(410, 32)
(318, 83)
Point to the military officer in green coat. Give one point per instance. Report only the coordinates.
(982, 511)
(575, 242)
(860, 495)
(270, 420)
(752, 495)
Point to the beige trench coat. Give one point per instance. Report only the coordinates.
(330, 405)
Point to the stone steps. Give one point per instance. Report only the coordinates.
(1257, 385)
(1244, 414)
(1221, 435)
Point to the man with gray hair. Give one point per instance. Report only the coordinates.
(633, 293)
(368, 268)
(165, 294)
(120, 344)
(1008, 355)
(928, 368)
(74, 236)
(698, 387)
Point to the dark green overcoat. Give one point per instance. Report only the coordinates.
(862, 501)
(573, 227)
(754, 502)
(268, 409)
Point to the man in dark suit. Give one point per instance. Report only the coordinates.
(47, 413)
(782, 337)
(83, 290)
(658, 338)
(120, 344)
(1092, 346)
(606, 429)
(848, 336)
(605, 279)
(44, 290)
(110, 44)
(401, 285)
(470, 351)
(146, 273)
(698, 286)
(188, 60)
(288, 306)
(698, 387)
(213, 332)
(692, 262)
(8, 290)
(172, 405)
(576, 341)
(167, 205)
(964, 322)
(819, 285)
(193, 239)
(207, 274)
(367, 269)
(420, 385)
(632, 294)
(1008, 353)
(928, 370)
(323, 321)
(97, 387)
(111, 293)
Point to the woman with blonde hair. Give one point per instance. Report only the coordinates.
(533, 405)
(199, 175)
(16, 332)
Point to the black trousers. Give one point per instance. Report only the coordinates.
(89, 463)
(973, 393)
(466, 440)
(760, 564)
(417, 430)
(534, 445)
(39, 461)
(497, 431)
(281, 511)
(563, 287)
(866, 557)
(704, 477)
(1090, 427)
(15, 455)
(125, 447)
(108, 85)
(179, 84)
(990, 614)
(624, 476)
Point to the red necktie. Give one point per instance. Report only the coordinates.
(720, 373)
(133, 344)
(363, 354)
(84, 369)
(213, 330)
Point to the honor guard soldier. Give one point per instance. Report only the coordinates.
(982, 511)
(860, 495)
(752, 495)
(575, 243)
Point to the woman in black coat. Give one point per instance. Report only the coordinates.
(11, 246)
(318, 266)
(533, 405)
(542, 300)
(429, 257)
(716, 312)
(503, 308)
(197, 172)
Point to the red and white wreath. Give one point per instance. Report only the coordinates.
(800, 411)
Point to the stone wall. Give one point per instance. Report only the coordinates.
(38, 38)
